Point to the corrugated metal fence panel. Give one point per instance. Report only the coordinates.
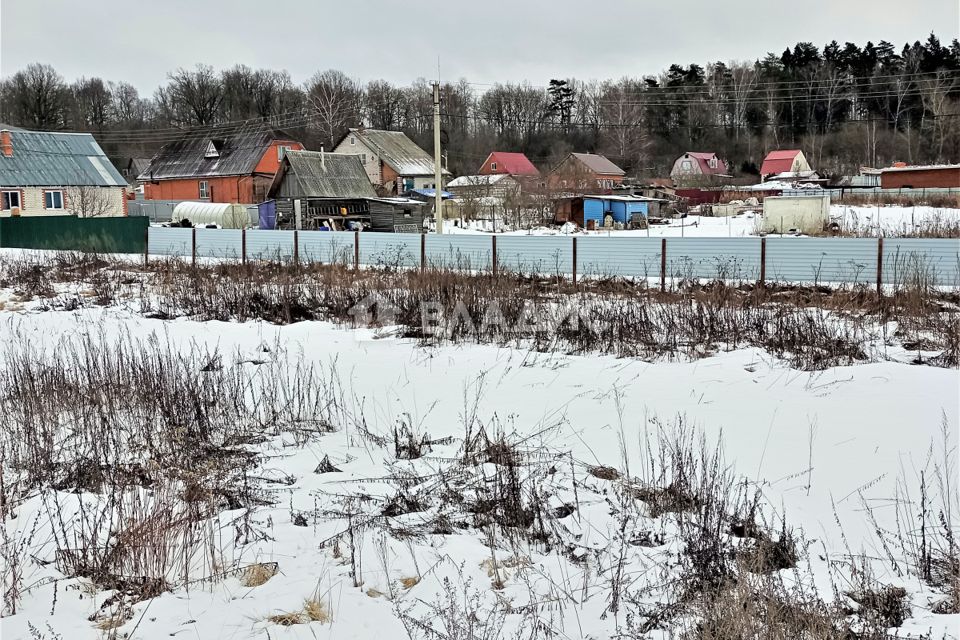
(471, 252)
(164, 241)
(546, 255)
(269, 245)
(625, 257)
(326, 247)
(721, 258)
(916, 260)
(390, 249)
(219, 243)
(822, 259)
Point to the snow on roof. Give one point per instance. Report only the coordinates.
(477, 181)
(923, 167)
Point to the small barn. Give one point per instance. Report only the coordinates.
(332, 191)
(946, 176)
(783, 163)
(595, 211)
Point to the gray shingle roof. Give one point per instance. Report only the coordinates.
(598, 164)
(311, 174)
(47, 159)
(397, 150)
(237, 154)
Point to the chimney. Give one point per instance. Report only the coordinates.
(6, 144)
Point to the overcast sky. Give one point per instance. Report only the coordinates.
(484, 42)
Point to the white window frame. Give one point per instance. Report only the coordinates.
(281, 149)
(493, 166)
(10, 206)
(712, 163)
(363, 158)
(203, 187)
(49, 204)
(686, 165)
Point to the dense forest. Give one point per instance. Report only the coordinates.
(844, 105)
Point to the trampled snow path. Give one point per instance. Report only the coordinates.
(872, 423)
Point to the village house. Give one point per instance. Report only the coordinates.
(502, 186)
(44, 173)
(237, 166)
(783, 164)
(586, 172)
(333, 190)
(508, 163)
(901, 176)
(695, 167)
(393, 162)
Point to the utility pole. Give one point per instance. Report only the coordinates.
(438, 179)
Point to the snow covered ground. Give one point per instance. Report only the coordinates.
(827, 449)
(858, 220)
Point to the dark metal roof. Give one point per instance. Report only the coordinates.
(232, 153)
(43, 158)
(312, 174)
(398, 151)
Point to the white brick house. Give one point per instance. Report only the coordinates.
(44, 173)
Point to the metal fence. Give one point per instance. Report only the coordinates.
(72, 233)
(773, 259)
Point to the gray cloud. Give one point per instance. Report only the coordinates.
(484, 42)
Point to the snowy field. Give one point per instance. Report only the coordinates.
(828, 451)
(853, 220)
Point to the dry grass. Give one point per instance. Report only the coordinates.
(314, 610)
(259, 574)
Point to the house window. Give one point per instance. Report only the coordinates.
(353, 141)
(363, 158)
(493, 166)
(53, 199)
(11, 200)
(281, 149)
(204, 189)
(712, 163)
(686, 165)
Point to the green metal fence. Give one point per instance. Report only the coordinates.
(70, 233)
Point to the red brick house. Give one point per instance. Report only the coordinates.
(586, 172)
(511, 164)
(234, 167)
(921, 177)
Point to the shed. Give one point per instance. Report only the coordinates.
(945, 176)
(787, 214)
(587, 211)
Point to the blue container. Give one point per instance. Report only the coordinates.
(268, 214)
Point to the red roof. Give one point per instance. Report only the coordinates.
(703, 159)
(780, 161)
(514, 164)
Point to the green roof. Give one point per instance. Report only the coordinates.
(47, 159)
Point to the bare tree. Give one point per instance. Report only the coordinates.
(36, 98)
(192, 97)
(92, 102)
(333, 100)
(128, 108)
(935, 93)
(743, 79)
(87, 201)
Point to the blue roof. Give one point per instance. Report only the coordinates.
(431, 193)
(47, 159)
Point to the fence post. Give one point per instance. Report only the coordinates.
(146, 246)
(296, 246)
(574, 261)
(493, 256)
(763, 261)
(193, 247)
(423, 252)
(356, 250)
(663, 264)
(880, 266)
(243, 246)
